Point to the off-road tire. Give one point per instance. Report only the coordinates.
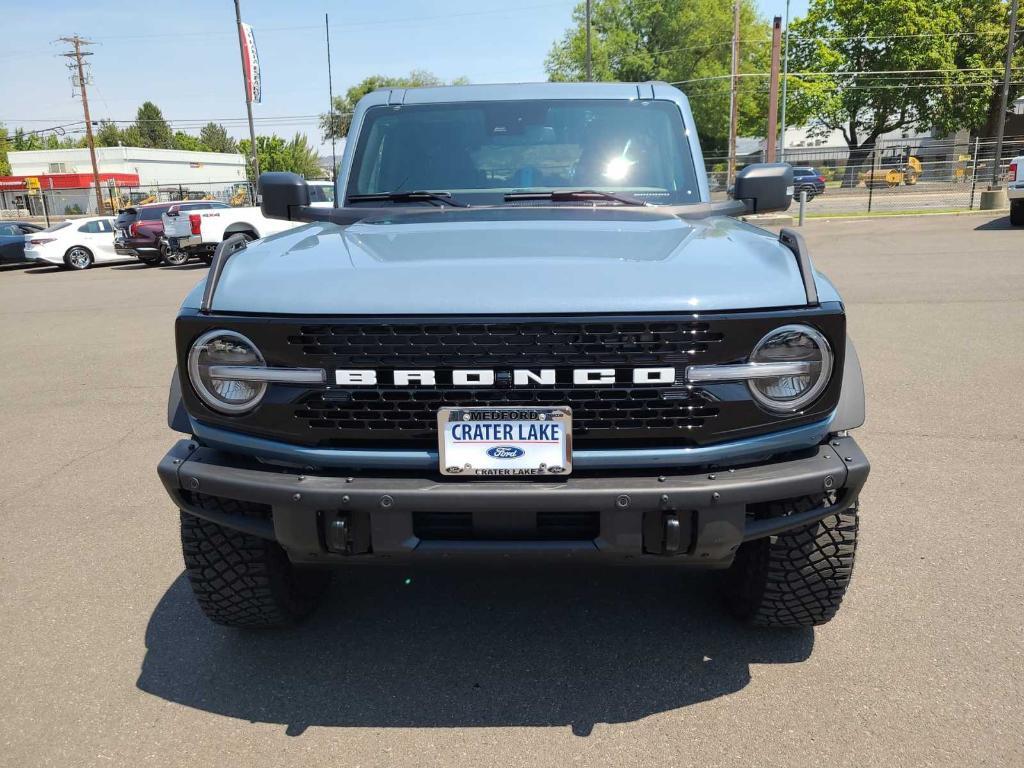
(1017, 213)
(245, 581)
(798, 578)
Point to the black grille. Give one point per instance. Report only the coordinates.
(661, 412)
(622, 414)
(504, 344)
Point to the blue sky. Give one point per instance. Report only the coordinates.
(184, 56)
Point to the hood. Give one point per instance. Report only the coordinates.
(513, 260)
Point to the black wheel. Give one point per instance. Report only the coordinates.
(78, 257)
(1017, 213)
(150, 260)
(245, 581)
(798, 578)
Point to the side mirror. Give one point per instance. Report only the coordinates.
(765, 187)
(283, 193)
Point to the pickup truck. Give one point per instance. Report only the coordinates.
(195, 229)
(1015, 190)
(526, 333)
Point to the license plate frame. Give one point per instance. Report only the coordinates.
(553, 459)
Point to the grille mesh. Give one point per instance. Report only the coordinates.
(608, 411)
(592, 411)
(494, 345)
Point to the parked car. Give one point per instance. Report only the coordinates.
(12, 240)
(572, 353)
(197, 229)
(810, 179)
(75, 244)
(140, 229)
(1015, 191)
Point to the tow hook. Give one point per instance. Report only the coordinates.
(338, 537)
(671, 534)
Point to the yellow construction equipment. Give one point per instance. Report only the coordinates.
(904, 173)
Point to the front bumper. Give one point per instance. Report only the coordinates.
(692, 517)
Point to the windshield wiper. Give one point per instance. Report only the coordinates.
(570, 195)
(437, 198)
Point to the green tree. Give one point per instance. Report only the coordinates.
(153, 129)
(981, 49)
(216, 139)
(107, 134)
(132, 136)
(5, 164)
(679, 41)
(23, 142)
(188, 142)
(276, 154)
(335, 124)
(869, 67)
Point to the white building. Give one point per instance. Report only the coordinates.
(65, 175)
(154, 167)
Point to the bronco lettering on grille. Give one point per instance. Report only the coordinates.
(484, 377)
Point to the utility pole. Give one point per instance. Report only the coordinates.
(590, 69)
(1005, 95)
(785, 79)
(773, 93)
(330, 96)
(248, 100)
(77, 54)
(734, 92)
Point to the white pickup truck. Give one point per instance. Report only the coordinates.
(197, 231)
(1015, 190)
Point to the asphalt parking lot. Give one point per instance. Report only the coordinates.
(105, 660)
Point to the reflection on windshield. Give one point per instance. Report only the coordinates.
(483, 150)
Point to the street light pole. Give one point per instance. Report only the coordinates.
(734, 93)
(1005, 95)
(590, 69)
(785, 80)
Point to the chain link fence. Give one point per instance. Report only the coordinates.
(56, 204)
(900, 175)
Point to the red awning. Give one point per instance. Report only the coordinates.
(68, 180)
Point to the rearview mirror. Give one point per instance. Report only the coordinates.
(765, 187)
(283, 194)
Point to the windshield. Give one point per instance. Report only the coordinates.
(55, 227)
(481, 151)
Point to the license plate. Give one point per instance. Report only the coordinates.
(505, 442)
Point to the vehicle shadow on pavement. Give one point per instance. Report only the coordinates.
(1003, 222)
(455, 647)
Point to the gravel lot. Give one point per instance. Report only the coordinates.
(105, 660)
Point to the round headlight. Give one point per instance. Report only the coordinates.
(798, 344)
(209, 363)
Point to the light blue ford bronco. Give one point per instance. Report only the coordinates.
(525, 332)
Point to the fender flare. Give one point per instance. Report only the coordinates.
(177, 416)
(850, 413)
(238, 227)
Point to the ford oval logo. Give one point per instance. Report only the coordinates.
(505, 452)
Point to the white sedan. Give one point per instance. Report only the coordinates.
(77, 243)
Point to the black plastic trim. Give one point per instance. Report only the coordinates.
(225, 249)
(795, 242)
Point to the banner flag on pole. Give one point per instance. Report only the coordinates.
(251, 60)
